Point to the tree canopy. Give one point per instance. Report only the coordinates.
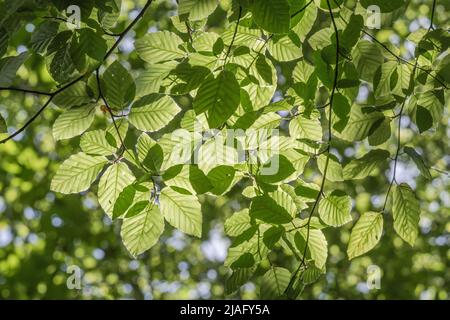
(224, 148)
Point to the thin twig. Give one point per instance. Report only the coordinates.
(399, 145)
(234, 36)
(32, 91)
(325, 170)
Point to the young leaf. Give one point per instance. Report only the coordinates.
(196, 9)
(159, 46)
(153, 112)
(274, 283)
(365, 235)
(219, 97)
(73, 122)
(95, 143)
(237, 223)
(334, 209)
(267, 209)
(406, 212)
(118, 86)
(182, 211)
(77, 173)
(141, 231)
(112, 183)
(364, 166)
(272, 16)
(334, 171)
(302, 127)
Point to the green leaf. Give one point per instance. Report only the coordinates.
(112, 183)
(420, 164)
(237, 279)
(109, 12)
(272, 16)
(41, 38)
(365, 235)
(159, 46)
(273, 235)
(77, 173)
(317, 245)
(221, 179)
(268, 210)
(367, 57)
(182, 211)
(424, 120)
(406, 212)
(334, 170)
(153, 112)
(274, 282)
(59, 61)
(360, 123)
(275, 170)
(334, 209)
(74, 96)
(284, 48)
(92, 44)
(95, 143)
(150, 80)
(302, 127)
(9, 67)
(433, 101)
(196, 9)
(142, 231)
(246, 250)
(219, 97)
(306, 22)
(384, 5)
(237, 223)
(118, 86)
(73, 122)
(366, 165)
(380, 132)
(188, 177)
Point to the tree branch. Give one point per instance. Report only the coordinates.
(32, 91)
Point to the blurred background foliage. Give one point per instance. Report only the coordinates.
(42, 233)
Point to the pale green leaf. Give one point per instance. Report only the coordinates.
(153, 112)
(272, 16)
(237, 223)
(197, 9)
(159, 46)
(219, 97)
(274, 282)
(182, 211)
(334, 209)
(406, 212)
(77, 173)
(142, 231)
(366, 165)
(366, 233)
(95, 143)
(73, 122)
(112, 183)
